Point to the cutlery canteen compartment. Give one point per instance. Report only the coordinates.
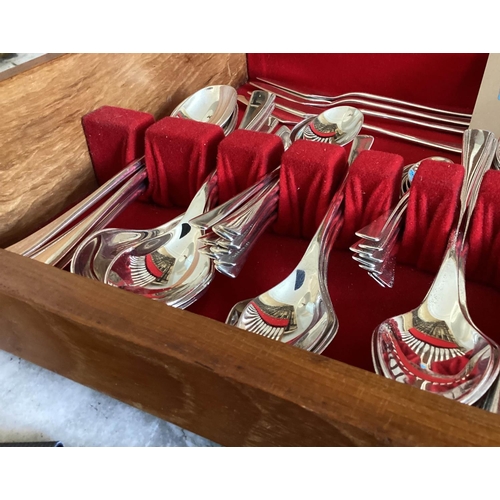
(180, 154)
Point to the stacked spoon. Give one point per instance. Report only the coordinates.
(299, 310)
(165, 263)
(436, 347)
(55, 245)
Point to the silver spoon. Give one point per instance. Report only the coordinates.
(214, 104)
(299, 310)
(54, 247)
(372, 128)
(171, 268)
(412, 347)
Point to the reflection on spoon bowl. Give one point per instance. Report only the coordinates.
(155, 267)
(94, 255)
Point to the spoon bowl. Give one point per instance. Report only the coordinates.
(436, 346)
(338, 125)
(157, 267)
(299, 310)
(214, 104)
(94, 255)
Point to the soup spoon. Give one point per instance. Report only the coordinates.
(436, 347)
(215, 104)
(51, 248)
(299, 310)
(170, 267)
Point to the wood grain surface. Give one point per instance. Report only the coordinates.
(44, 164)
(228, 385)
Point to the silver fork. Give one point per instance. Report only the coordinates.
(387, 103)
(376, 250)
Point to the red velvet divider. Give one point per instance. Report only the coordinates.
(115, 137)
(309, 175)
(244, 157)
(372, 187)
(180, 154)
(434, 198)
(483, 259)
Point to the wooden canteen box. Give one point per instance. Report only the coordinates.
(231, 386)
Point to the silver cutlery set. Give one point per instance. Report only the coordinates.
(176, 261)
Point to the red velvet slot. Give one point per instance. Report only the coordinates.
(429, 218)
(180, 154)
(309, 175)
(243, 158)
(115, 137)
(372, 187)
(484, 237)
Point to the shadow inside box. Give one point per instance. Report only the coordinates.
(359, 302)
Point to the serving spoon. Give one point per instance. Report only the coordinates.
(436, 347)
(170, 267)
(52, 246)
(299, 310)
(214, 104)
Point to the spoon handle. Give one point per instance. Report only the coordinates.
(318, 250)
(55, 251)
(203, 199)
(478, 153)
(449, 283)
(411, 138)
(212, 217)
(29, 245)
(258, 110)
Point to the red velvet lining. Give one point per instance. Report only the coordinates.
(483, 261)
(440, 80)
(115, 137)
(307, 184)
(309, 175)
(371, 189)
(429, 218)
(180, 154)
(257, 155)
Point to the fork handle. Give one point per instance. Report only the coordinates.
(365, 95)
(412, 138)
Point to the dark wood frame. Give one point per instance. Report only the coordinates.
(228, 385)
